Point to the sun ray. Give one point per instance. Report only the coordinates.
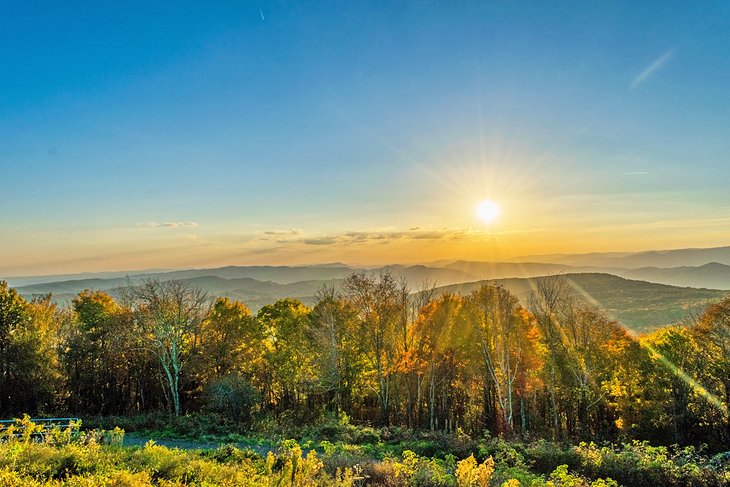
(687, 379)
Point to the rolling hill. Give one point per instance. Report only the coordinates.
(276, 274)
(642, 289)
(633, 260)
(712, 275)
(500, 270)
(641, 306)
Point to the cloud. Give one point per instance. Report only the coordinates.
(320, 241)
(154, 224)
(651, 69)
(413, 234)
(295, 238)
(281, 233)
(635, 173)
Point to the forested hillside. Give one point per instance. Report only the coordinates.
(550, 365)
(640, 306)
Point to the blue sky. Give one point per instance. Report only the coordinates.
(184, 134)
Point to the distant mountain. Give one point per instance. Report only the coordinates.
(279, 274)
(326, 264)
(651, 258)
(276, 274)
(453, 271)
(640, 306)
(643, 290)
(29, 280)
(500, 270)
(418, 274)
(73, 287)
(253, 292)
(713, 275)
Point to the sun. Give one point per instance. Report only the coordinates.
(487, 211)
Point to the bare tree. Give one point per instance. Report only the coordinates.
(172, 313)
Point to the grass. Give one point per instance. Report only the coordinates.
(336, 453)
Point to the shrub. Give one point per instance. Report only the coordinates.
(11, 478)
(470, 474)
(421, 472)
(560, 477)
(505, 454)
(544, 456)
(231, 454)
(232, 396)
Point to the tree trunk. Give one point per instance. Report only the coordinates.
(554, 405)
(432, 400)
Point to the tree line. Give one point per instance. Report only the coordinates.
(556, 367)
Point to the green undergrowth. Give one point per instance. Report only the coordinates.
(92, 464)
(335, 452)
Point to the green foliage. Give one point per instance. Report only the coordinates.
(91, 464)
(413, 470)
(89, 460)
(635, 463)
(29, 379)
(198, 426)
(233, 397)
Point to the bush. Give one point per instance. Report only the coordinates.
(231, 454)
(471, 474)
(233, 397)
(635, 464)
(561, 477)
(504, 453)
(545, 456)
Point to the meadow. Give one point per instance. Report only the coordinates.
(352, 456)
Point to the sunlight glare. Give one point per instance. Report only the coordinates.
(487, 211)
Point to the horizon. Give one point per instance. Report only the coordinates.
(142, 137)
(432, 264)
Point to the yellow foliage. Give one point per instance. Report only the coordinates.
(470, 474)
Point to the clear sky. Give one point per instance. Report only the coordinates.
(151, 134)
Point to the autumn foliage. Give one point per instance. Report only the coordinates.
(552, 368)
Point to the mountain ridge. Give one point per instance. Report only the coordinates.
(640, 305)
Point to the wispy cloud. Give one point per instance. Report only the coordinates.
(320, 241)
(154, 224)
(634, 173)
(377, 236)
(282, 233)
(651, 69)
